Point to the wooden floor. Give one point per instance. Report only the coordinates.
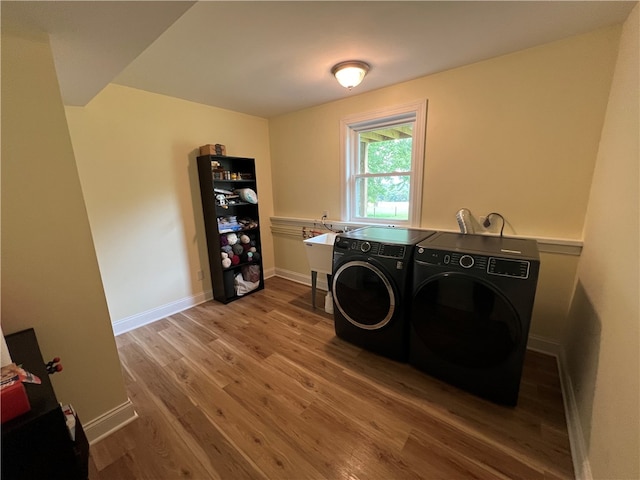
(262, 388)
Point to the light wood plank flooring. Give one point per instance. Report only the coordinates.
(262, 388)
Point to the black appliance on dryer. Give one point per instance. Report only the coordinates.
(371, 287)
(472, 301)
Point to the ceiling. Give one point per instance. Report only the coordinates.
(268, 58)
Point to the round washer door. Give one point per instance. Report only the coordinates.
(465, 321)
(364, 295)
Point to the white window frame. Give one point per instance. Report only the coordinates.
(351, 125)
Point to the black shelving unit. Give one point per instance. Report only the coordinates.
(37, 444)
(227, 213)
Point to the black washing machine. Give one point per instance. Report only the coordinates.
(371, 287)
(471, 310)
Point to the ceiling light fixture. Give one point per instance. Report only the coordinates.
(349, 74)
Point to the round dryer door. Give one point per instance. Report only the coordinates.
(363, 294)
(465, 321)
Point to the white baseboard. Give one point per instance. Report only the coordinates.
(543, 345)
(302, 278)
(140, 319)
(126, 324)
(579, 453)
(109, 422)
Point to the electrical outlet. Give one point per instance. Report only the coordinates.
(325, 213)
(200, 275)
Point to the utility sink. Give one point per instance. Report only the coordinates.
(320, 252)
(320, 256)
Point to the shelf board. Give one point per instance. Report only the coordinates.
(243, 264)
(252, 229)
(238, 180)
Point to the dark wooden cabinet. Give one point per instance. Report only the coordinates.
(228, 189)
(37, 444)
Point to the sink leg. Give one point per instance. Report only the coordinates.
(314, 279)
(329, 290)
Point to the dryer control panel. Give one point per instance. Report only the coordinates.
(505, 267)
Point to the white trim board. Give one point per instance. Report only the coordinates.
(579, 452)
(304, 279)
(158, 313)
(107, 423)
(292, 227)
(144, 318)
(543, 345)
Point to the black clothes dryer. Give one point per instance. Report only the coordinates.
(471, 310)
(371, 287)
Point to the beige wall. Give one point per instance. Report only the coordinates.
(602, 341)
(517, 134)
(50, 277)
(136, 154)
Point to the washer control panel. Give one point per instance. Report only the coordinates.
(372, 248)
(505, 267)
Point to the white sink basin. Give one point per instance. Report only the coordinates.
(320, 252)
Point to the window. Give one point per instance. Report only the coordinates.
(382, 157)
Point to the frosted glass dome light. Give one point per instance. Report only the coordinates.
(350, 74)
